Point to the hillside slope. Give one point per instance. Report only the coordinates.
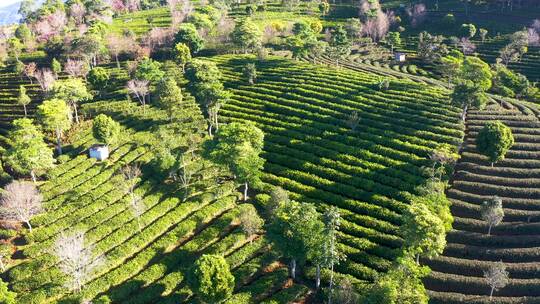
(371, 172)
(457, 276)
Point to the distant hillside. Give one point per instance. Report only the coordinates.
(8, 14)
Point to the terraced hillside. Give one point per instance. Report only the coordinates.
(9, 109)
(457, 276)
(145, 257)
(310, 150)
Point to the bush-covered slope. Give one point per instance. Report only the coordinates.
(146, 263)
(457, 276)
(310, 150)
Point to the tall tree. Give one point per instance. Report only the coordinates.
(140, 89)
(55, 116)
(205, 84)
(149, 69)
(211, 279)
(423, 231)
(105, 129)
(492, 212)
(188, 35)
(20, 201)
(246, 35)
(23, 99)
(75, 259)
(465, 95)
(494, 140)
(169, 96)
(476, 71)
(27, 152)
(496, 277)
(401, 284)
(326, 253)
(238, 146)
(393, 39)
(250, 73)
(295, 230)
(73, 91)
(250, 221)
(182, 54)
(451, 65)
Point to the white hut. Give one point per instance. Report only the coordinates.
(99, 152)
(400, 57)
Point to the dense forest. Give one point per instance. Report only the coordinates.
(261, 151)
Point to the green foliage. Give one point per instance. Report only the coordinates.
(169, 95)
(238, 146)
(296, 230)
(483, 33)
(424, 232)
(55, 115)
(246, 34)
(324, 8)
(23, 99)
(393, 39)
(182, 54)
(150, 70)
(204, 83)
(211, 279)
(105, 129)
(468, 30)
(56, 66)
(431, 47)
(477, 72)
(492, 212)
(509, 83)
(73, 91)
(6, 296)
(451, 65)
(466, 94)
(401, 285)
(99, 78)
(27, 152)
(494, 140)
(188, 35)
(250, 73)
(23, 32)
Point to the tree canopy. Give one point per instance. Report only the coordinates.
(494, 140)
(105, 129)
(211, 279)
(27, 152)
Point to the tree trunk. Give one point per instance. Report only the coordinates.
(29, 226)
(210, 129)
(117, 62)
(25, 113)
(293, 269)
(492, 164)
(59, 141)
(417, 259)
(331, 284)
(245, 191)
(489, 229)
(33, 175)
(464, 113)
(318, 279)
(491, 293)
(76, 113)
(2, 266)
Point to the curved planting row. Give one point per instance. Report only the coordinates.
(310, 149)
(145, 257)
(458, 275)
